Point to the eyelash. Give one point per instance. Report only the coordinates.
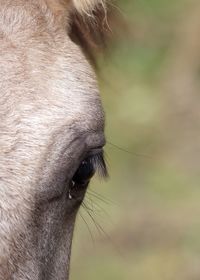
(99, 164)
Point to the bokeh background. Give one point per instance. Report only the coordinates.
(144, 222)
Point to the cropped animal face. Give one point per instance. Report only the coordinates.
(51, 136)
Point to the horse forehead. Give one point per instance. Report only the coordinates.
(46, 113)
(50, 83)
(44, 77)
(65, 84)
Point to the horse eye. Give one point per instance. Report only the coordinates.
(81, 179)
(85, 172)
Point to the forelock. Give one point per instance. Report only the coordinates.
(88, 6)
(89, 26)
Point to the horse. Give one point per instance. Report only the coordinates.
(51, 131)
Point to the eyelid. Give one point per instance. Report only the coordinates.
(95, 151)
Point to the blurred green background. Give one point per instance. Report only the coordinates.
(144, 222)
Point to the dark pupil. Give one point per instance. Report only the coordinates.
(84, 173)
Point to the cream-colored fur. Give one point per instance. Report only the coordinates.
(51, 118)
(86, 6)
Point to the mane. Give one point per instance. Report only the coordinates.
(89, 26)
